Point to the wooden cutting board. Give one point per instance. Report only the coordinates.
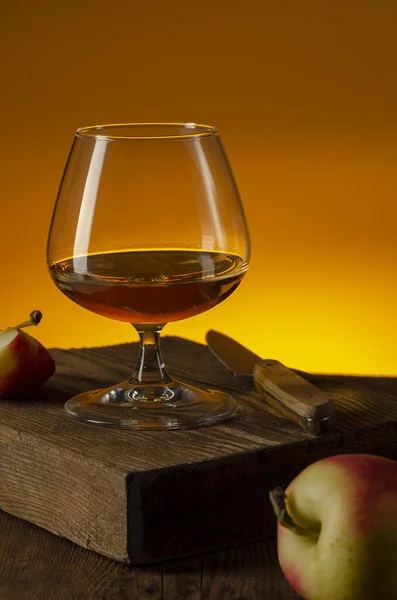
(140, 496)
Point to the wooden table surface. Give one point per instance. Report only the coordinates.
(37, 565)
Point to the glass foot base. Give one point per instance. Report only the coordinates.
(172, 406)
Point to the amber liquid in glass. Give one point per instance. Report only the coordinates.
(153, 286)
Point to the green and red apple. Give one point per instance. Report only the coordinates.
(337, 529)
(25, 364)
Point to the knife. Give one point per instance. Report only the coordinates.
(287, 392)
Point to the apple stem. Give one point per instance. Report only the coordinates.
(34, 319)
(278, 498)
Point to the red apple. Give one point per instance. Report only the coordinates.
(337, 529)
(24, 362)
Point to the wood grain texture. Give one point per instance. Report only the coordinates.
(36, 565)
(295, 397)
(58, 489)
(144, 496)
(300, 396)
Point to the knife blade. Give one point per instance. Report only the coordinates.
(286, 391)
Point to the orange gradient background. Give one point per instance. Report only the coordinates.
(305, 96)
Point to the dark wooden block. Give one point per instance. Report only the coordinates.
(141, 496)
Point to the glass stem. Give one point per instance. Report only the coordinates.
(150, 368)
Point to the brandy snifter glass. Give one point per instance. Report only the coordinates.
(148, 228)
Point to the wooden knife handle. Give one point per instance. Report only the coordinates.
(293, 396)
